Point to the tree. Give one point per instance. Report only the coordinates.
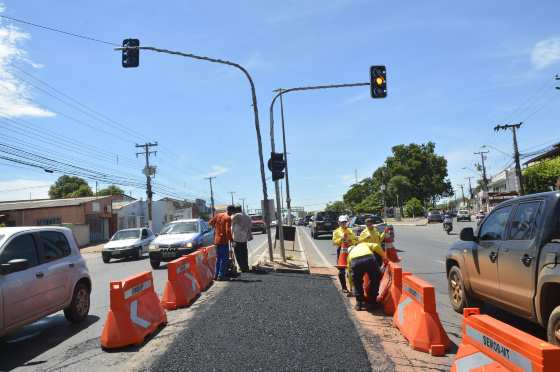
(111, 190)
(69, 187)
(371, 204)
(542, 176)
(337, 206)
(359, 191)
(413, 207)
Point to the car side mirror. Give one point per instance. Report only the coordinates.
(18, 264)
(467, 234)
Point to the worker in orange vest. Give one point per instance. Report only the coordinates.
(222, 236)
(343, 236)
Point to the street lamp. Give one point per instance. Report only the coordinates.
(135, 47)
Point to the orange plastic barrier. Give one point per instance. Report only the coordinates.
(202, 273)
(417, 319)
(182, 287)
(135, 312)
(211, 257)
(491, 345)
(390, 289)
(390, 249)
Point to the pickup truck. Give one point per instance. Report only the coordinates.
(512, 261)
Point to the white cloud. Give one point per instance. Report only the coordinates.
(21, 189)
(15, 95)
(216, 171)
(546, 52)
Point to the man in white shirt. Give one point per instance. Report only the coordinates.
(241, 231)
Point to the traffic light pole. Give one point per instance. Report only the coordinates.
(280, 93)
(255, 112)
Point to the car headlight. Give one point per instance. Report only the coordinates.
(188, 245)
(152, 247)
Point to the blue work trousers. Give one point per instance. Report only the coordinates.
(223, 260)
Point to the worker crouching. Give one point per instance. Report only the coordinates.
(363, 259)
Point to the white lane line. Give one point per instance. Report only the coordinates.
(439, 262)
(254, 252)
(314, 245)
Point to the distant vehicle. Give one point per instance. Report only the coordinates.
(323, 223)
(129, 243)
(512, 261)
(358, 223)
(257, 223)
(307, 220)
(463, 215)
(435, 216)
(301, 221)
(41, 273)
(179, 238)
(448, 223)
(480, 216)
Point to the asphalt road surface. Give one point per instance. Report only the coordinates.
(52, 343)
(422, 250)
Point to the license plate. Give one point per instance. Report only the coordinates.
(167, 254)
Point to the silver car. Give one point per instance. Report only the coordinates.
(130, 243)
(41, 273)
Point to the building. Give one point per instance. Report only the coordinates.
(88, 217)
(129, 214)
(553, 152)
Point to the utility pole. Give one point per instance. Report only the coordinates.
(462, 192)
(243, 204)
(231, 193)
(288, 199)
(482, 158)
(518, 173)
(211, 194)
(356, 176)
(470, 191)
(149, 172)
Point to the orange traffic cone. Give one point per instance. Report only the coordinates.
(343, 256)
(390, 249)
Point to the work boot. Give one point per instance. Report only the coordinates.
(360, 306)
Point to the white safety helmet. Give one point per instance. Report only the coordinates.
(343, 218)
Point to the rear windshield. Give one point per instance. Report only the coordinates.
(361, 220)
(327, 216)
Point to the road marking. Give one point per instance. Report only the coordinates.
(439, 262)
(314, 245)
(255, 251)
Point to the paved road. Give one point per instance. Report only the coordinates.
(422, 250)
(50, 343)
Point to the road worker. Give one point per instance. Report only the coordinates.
(363, 259)
(371, 234)
(343, 237)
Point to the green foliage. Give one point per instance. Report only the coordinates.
(110, 190)
(413, 207)
(399, 186)
(69, 187)
(540, 177)
(359, 191)
(337, 206)
(373, 203)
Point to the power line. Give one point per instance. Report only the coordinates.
(59, 31)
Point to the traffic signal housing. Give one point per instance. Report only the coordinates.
(130, 57)
(276, 164)
(378, 81)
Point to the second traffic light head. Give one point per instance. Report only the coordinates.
(378, 81)
(130, 57)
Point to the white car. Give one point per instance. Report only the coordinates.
(41, 273)
(131, 243)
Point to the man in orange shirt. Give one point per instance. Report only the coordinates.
(222, 236)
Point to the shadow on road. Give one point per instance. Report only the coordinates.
(16, 350)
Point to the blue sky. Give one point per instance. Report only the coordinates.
(455, 70)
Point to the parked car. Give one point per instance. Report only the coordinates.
(41, 273)
(179, 238)
(358, 223)
(480, 216)
(323, 223)
(512, 261)
(463, 215)
(257, 224)
(435, 216)
(131, 243)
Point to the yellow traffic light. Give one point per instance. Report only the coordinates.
(379, 80)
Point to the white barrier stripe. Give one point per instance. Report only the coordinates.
(413, 292)
(401, 307)
(137, 289)
(134, 315)
(194, 283)
(489, 344)
(473, 361)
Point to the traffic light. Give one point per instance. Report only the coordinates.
(276, 164)
(378, 81)
(130, 57)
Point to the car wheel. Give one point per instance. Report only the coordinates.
(138, 254)
(457, 293)
(106, 258)
(553, 328)
(79, 307)
(155, 264)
